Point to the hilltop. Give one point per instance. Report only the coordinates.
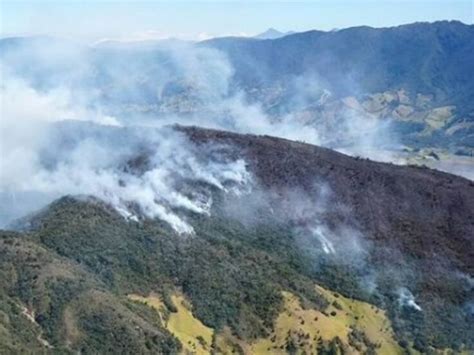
(319, 237)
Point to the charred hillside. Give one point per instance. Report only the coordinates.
(425, 212)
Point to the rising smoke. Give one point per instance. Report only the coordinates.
(115, 90)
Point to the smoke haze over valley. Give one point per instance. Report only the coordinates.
(207, 84)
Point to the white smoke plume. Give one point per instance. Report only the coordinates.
(407, 299)
(46, 158)
(146, 176)
(312, 217)
(47, 81)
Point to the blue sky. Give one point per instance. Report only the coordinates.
(99, 19)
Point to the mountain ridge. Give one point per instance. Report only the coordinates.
(233, 269)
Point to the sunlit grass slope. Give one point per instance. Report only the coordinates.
(193, 335)
(349, 325)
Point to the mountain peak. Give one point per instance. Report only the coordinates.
(272, 33)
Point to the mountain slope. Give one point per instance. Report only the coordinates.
(49, 302)
(397, 238)
(403, 205)
(414, 76)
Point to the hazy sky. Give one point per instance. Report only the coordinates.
(96, 19)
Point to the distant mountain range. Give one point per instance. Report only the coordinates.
(414, 76)
(433, 58)
(418, 76)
